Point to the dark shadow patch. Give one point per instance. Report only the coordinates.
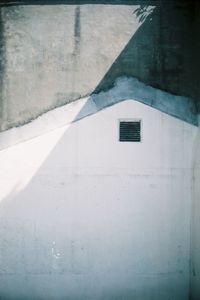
(195, 50)
(159, 53)
(78, 2)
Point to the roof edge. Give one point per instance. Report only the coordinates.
(125, 88)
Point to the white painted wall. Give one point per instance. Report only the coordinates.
(83, 216)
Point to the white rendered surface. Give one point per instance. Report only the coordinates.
(83, 216)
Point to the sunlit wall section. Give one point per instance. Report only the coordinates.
(90, 217)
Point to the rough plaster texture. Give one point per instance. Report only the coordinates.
(83, 216)
(54, 54)
(195, 241)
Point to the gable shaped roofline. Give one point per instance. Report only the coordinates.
(125, 88)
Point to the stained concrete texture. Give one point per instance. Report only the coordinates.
(55, 54)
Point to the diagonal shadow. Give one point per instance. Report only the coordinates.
(64, 222)
(158, 55)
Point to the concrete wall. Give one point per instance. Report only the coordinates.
(54, 54)
(195, 228)
(195, 238)
(83, 216)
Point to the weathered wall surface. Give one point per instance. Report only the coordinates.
(54, 54)
(83, 216)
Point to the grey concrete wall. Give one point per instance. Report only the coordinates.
(54, 54)
(195, 237)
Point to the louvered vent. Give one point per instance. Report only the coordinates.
(129, 131)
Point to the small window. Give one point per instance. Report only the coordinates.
(129, 131)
